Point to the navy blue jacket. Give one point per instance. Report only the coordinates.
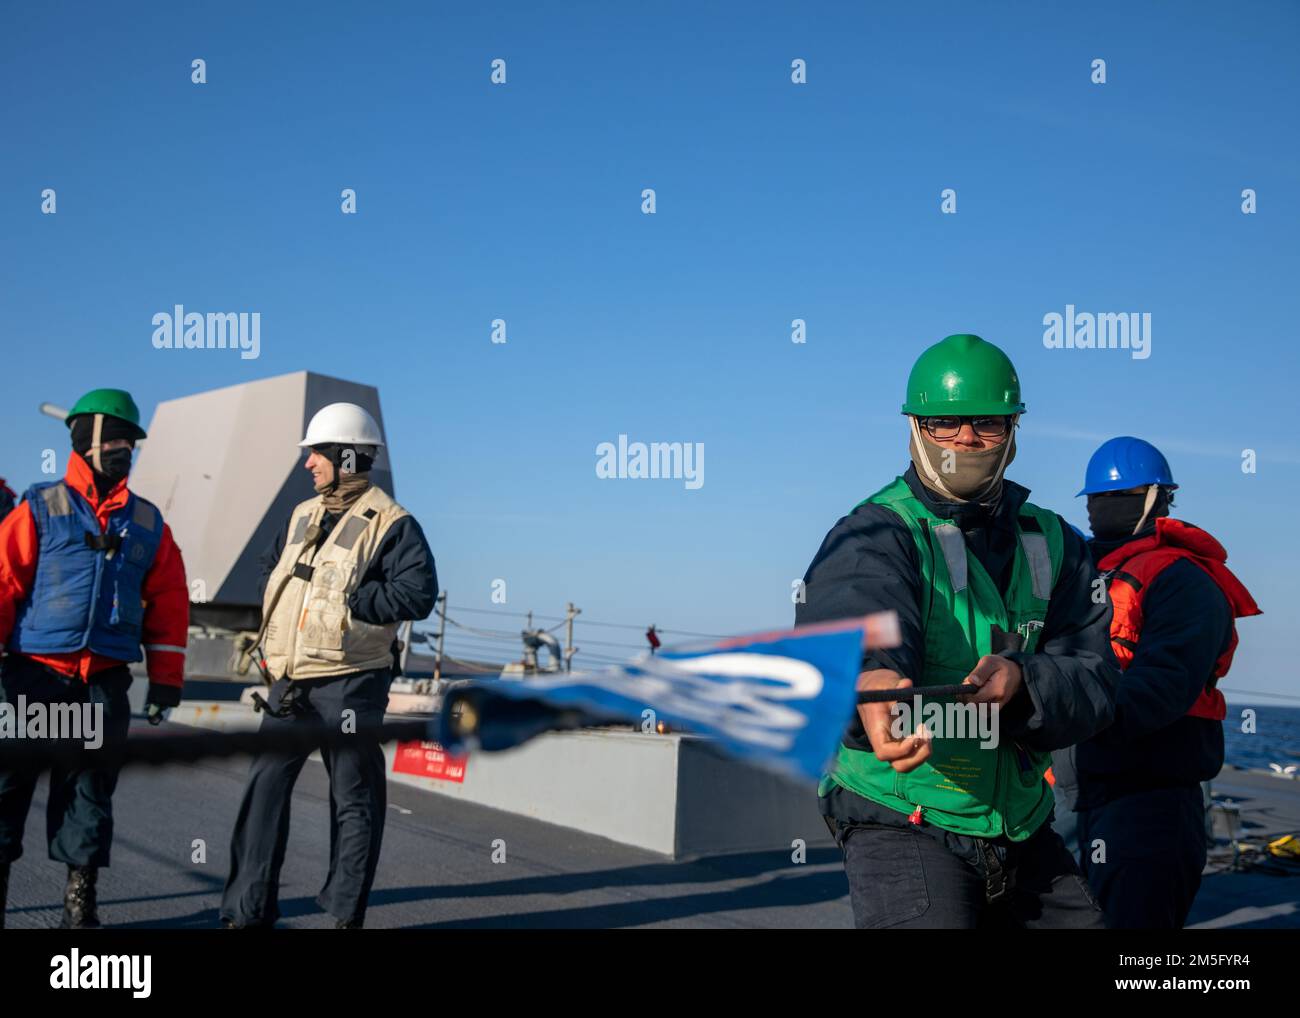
(1187, 625)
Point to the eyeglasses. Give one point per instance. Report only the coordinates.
(984, 427)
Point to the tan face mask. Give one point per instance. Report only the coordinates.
(337, 498)
(972, 476)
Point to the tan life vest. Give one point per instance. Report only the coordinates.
(309, 630)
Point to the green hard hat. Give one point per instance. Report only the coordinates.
(963, 375)
(112, 402)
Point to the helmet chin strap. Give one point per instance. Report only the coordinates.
(96, 438)
(336, 461)
(932, 475)
(1153, 492)
(334, 457)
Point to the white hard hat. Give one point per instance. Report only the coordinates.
(343, 423)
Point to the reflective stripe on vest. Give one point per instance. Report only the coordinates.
(1040, 563)
(144, 514)
(953, 544)
(56, 501)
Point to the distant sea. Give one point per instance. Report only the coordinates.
(1276, 738)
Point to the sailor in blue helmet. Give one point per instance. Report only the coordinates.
(1137, 784)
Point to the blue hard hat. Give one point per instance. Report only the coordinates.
(1126, 462)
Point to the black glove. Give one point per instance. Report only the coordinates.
(158, 699)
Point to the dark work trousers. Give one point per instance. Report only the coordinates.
(358, 801)
(1143, 854)
(79, 809)
(905, 878)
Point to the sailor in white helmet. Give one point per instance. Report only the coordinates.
(349, 567)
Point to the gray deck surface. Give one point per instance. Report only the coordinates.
(437, 868)
(1257, 898)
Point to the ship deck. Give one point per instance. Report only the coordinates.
(437, 867)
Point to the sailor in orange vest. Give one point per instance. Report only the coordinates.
(1142, 837)
(91, 581)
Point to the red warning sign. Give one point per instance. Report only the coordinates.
(428, 760)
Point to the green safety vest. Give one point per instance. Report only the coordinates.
(962, 787)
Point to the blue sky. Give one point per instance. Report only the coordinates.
(775, 201)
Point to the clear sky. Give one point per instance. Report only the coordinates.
(775, 201)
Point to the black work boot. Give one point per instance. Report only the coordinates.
(230, 924)
(4, 891)
(79, 899)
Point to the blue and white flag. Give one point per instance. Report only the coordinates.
(781, 700)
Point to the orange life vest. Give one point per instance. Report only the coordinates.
(1129, 571)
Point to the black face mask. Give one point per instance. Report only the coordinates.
(115, 463)
(1114, 516)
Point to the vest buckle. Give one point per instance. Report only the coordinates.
(998, 878)
(103, 542)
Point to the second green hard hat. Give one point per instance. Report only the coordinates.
(963, 375)
(113, 402)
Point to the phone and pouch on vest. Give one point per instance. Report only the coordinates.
(1002, 642)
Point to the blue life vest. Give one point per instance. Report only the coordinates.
(88, 586)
